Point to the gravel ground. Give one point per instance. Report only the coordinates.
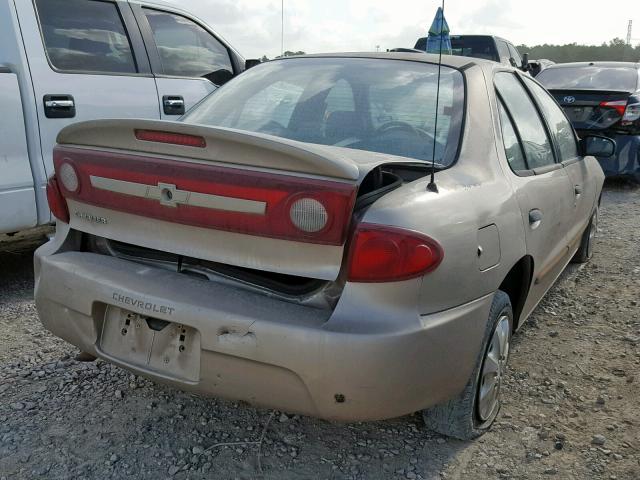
(570, 404)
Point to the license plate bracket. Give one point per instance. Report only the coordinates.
(170, 349)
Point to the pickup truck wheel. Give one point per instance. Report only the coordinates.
(473, 412)
(585, 251)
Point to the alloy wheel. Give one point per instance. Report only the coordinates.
(493, 370)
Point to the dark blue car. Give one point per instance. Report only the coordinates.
(602, 98)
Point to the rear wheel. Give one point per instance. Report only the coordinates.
(473, 412)
(585, 251)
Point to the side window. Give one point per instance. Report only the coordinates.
(85, 36)
(185, 48)
(513, 53)
(503, 50)
(560, 127)
(537, 146)
(512, 145)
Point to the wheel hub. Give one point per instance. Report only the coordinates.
(493, 369)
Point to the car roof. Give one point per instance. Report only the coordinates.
(634, 65)
(453, 61)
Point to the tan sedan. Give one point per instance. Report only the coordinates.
(352, 236)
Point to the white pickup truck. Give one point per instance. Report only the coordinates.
(65, 61)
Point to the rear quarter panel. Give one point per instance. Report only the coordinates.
(472, 194)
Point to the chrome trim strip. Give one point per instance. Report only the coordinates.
(168, 195)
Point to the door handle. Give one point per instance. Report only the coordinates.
(578, 190)
(535, 218)
(59, 106)
(173, 105)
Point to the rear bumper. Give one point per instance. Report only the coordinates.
(267, 352)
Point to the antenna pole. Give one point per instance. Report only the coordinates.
(432, 187)
(282, 31)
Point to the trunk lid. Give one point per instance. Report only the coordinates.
(236, 198)
(592, 109)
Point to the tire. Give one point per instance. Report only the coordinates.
(466, 417)
(585, 250)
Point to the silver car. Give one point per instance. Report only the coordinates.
(353, 236)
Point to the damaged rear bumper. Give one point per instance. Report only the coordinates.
(261, 350)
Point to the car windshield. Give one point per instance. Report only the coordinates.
(590, 78)
(378, 105)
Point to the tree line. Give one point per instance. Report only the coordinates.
(616, 50)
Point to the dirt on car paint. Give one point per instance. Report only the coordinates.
(570, 406)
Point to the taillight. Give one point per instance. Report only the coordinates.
(618, 105)
(632, 113)
(68, 177)
(209, 196)
(171, 138)
(381, 253)
(57, 204)
(308, 215)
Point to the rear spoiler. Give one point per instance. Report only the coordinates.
(221, 145)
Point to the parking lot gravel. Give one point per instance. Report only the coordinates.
(570, 408)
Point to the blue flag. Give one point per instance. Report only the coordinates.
(439, 35)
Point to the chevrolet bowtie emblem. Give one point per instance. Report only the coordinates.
(170, 196)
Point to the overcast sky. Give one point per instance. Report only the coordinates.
(253, 26)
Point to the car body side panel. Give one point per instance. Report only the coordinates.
(13, 54)
(626, 161)
(584, 188)
(17, 195)
(472, 194)
(96, 95)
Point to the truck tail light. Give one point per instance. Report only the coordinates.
(380, 253)
(57, 203)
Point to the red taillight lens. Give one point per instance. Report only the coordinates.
(57, 204)
(619, 105)
(209, 196)
(388, 254)
(172, 138)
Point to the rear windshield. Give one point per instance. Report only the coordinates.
(477, 47)
(590, 78)
(378, 105)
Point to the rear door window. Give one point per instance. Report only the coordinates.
(560, 127)
(512, 145)
(85, 36)
(185, 48)
(538, 149)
